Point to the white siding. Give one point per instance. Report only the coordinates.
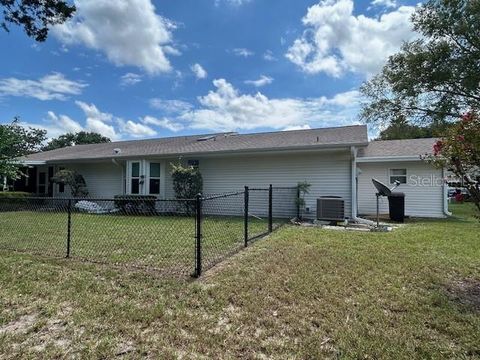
(421, 200)
(327, 172)
(104, 180)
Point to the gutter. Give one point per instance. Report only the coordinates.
(445, 194)
(388, 158)
(355, 218)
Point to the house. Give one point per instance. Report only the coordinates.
(337, 161)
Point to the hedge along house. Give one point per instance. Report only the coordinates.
(329, 159)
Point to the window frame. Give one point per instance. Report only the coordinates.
(391, 175)
(130, 177)
(150, 177)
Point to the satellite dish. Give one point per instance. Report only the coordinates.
(382, 189)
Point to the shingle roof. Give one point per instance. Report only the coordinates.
(408, 147)
(213, 143)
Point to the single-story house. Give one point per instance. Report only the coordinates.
(337, 161)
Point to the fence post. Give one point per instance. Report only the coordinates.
(297, 201)
(270, 208)
(69, 227)
(198, 235)
(245, 215)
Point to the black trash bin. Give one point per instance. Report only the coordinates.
(396, 204)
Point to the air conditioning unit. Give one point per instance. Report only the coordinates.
(331, 208)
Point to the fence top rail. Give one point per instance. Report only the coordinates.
(219, 196)
(90, 199)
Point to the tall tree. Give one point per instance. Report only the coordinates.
(35, 16)
(435, 78)
(80, 138)
(400, 128)
(17, 141)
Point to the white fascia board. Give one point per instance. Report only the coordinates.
(387, 158)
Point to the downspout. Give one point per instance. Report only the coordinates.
(445, 194)
(355, 217)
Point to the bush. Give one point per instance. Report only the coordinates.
(135, 204)
(13, 200)
(13, 194)
(187, 184)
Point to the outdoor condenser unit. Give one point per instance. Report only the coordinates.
(331, 208)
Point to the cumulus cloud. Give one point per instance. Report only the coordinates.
(129, 32)
(163, 123)
(386, 3)
(199, 71)
(225, 109)
(243, 52)
(50, 87)
(337, 41)
(297, 127)
(97, 121)
(262, 81)
(136, 129)
(64, 123)
(130, 79)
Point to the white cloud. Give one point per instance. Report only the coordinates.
(268, 56)
(243, 52)
(262, 81)
(50, 87)
(386, 3)
(136, 129)
(170, 106)
(199, 71)
(129, 32)
(233, 2)
(130, 79)
(225, 109)
(96, 120)
(297, 127)
(163, 123)
(64, 123)
(337, 41)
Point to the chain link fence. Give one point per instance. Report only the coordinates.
(181, 237)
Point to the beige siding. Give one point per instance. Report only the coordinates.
(327, 172)
(104, 180)
(422, 199)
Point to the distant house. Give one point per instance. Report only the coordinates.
(335, 161)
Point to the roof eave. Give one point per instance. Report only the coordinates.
(345, 146)
(388, 158)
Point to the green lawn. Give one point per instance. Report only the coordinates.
(302, 293)
(165, 243)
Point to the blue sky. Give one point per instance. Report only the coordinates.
(144, 68)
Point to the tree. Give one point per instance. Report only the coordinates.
(74, 180)
(400, 128)
(35, 16)
(15, 142)
(459, 151)
(187, 183)
(303, 189)
(435, 78)
(80, 138)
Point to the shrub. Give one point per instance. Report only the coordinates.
(187, 183)
(74, 180)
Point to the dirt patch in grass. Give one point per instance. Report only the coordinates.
(19, 326)
(465, 292)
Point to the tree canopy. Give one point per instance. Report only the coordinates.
(17, 141)
(35, 16)
(435, 78)
(400, 128)
(80, 138)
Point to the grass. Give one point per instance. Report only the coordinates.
(303, 293)
(166, 243)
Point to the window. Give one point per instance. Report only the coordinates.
(42, 181)
(61, 186)
(135, 178)
(399, 175)
(154, 181)
(194, 163)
